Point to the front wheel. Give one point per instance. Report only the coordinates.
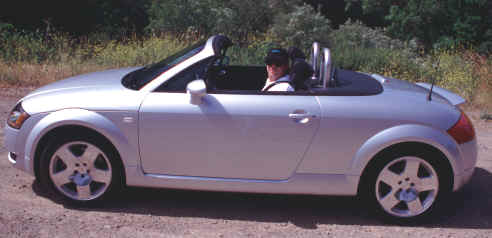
(80, 169)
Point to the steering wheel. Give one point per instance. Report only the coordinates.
(216, 71)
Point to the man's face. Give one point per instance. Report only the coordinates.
(276, 71)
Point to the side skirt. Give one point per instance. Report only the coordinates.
(316, 184)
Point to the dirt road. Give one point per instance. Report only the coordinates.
(26, 211)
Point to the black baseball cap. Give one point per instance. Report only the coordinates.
(277, 56)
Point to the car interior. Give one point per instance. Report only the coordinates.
(222, 78)
(239, 79)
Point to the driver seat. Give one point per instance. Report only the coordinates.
(300, 70)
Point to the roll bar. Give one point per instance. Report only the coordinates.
(326, 69)
(315, 63)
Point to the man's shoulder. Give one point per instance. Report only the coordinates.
(282, 86)
(284, 79)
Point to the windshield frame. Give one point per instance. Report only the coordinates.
(137, 79)
(206, 52)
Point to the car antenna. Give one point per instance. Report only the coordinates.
(436, 67)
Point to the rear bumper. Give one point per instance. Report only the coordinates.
(469, 155)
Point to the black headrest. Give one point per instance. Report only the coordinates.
(221, 43)
(295, 53)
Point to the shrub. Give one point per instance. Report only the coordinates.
(358, 47)
(301, 27)
(452, 70)
(252, 53)
(176, 16)
(238, 19)
(356, 34)
(136, 52)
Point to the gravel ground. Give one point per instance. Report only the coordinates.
(27, 211)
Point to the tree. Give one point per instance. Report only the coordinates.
(436, 23)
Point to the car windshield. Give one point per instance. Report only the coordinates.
(140, 77)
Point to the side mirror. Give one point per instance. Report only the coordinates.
(197, 89)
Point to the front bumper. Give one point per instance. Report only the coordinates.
(16, 149)
(19, 144)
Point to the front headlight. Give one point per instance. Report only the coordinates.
(17, 117)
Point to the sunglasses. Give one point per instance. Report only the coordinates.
(275, 64)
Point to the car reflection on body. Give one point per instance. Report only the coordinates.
(193, 121)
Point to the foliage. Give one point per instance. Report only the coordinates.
(436, 23)
(29, 63)
(301, 27)
(177, 16)
(32, 47)
(252, 53)
(59, 44)
(238, 18)
(455, 72)
(356, 34)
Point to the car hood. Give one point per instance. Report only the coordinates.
(102, 79)
(94, 91)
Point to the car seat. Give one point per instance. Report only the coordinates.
(300, 71)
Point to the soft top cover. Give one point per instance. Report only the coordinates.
(350, 83)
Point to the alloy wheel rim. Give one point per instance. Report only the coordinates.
(407, 187)
(80, 171)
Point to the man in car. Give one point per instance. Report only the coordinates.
(277, 63)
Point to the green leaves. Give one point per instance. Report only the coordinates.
(436, 23)
(301, 27)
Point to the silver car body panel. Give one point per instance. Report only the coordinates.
(228, 136)
(320, 184)
(245, 143)
(117, 127)
(453, 98)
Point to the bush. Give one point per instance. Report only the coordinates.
(176, 16)
(358, 47)
(301, 28)
(252, 53)
(356, 34)
(135, 52)
(456, 73)
(238, 19)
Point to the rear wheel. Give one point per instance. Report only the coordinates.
(81, 169)
(407, 187)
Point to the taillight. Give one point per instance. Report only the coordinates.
(463, 130)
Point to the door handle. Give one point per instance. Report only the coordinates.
(301, 115)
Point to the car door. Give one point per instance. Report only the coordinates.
(227, 135)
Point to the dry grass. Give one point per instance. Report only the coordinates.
(35, 75)
(482, 68)
(89, 55)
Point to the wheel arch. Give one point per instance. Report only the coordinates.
(395, 149)
(425, 138)
(82, 121)
(69, 129)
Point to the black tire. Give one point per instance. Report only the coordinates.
(82, 186)
(432, 171)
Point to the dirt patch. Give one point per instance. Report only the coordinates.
(27, 211)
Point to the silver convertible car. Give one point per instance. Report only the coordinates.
(192, 121)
